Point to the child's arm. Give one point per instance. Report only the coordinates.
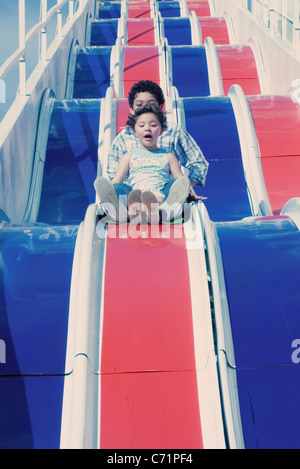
(177, 173)
(123, 169)
(174, 166)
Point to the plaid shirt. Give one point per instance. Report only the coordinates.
(174, 140)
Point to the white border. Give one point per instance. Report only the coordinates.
(260, 66)
(225, 349)
(79, 428)
(292, 210)
(206, 366)
(214, 69)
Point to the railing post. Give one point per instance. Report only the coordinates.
(297, 29)
(59, 21)
(266, 14)
(273, 18)
(22, 45)
(44, 31)
(71, 9)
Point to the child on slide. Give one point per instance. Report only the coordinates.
(148, 171)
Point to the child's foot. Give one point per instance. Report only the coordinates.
(172, 206)
(109, 198)
(134, 203)
(150, 201)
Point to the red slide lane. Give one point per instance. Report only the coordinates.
(201, 8)
(140, 32)
(140, 63)
(216, 28)
(238, 66)
(139, 10)
(277, 122)
(149, 396)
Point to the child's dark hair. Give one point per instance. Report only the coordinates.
(144, 86)
(147, 109)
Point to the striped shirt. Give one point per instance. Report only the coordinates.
(173, 140)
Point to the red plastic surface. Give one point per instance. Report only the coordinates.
(140, 32)
(150, 410)
(277, 124)
(282, 180)
(140, 63)
(238, 67)
(139, 10)
(122, 114)
(201, 8)
(216, 28)
(149, 396)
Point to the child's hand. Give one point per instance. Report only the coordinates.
(193, 196)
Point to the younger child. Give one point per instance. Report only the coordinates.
(147, 170)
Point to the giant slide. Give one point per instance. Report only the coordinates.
(170, 336)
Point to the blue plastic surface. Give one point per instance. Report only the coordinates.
(211, 122)
(178, 31)
(71, 162)
(31, 409)
(35, 279)
(264, 297)
(190, 72)
(92, 73)
(261, 259)
(169, 9)
(104, 32)
(110, 10)
(269, 399)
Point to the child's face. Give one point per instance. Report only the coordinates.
(142, 99)
(148, 129)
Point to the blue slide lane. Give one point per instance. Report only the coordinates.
(169, 9)
(261, 259)
(35, 278)
(71, 161)
(212, 124)
(31, 412)
(190, 72)
(109, 10)
(92, 72)
(178, 31)
(104, 32)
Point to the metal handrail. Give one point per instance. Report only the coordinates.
(25, 39)
(271, 14)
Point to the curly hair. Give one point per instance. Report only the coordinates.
(144, 86)
(147, 109)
